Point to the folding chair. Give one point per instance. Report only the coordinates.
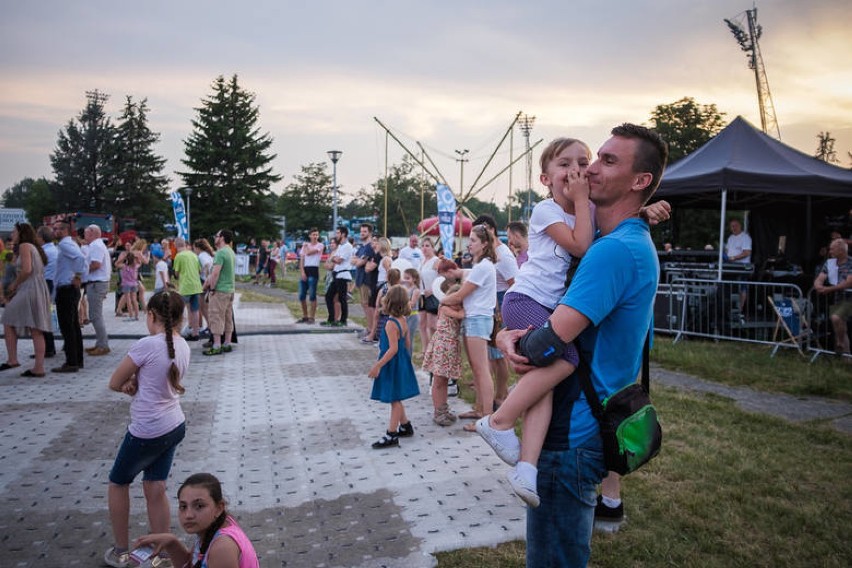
(789, 317)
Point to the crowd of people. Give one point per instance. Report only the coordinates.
(529, 305)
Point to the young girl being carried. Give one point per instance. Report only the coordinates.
(393, 374)
(411, 282)
(561, 230)
(443, 355)
(151, 373)
(202, 511)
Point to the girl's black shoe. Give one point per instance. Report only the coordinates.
(389, 440)
(405, 430)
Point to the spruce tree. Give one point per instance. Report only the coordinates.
(82, 159)
(141, 189)
(228, 165)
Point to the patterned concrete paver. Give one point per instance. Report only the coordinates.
(286, 423)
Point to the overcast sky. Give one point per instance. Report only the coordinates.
(449, 74)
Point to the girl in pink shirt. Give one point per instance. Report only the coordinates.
(202, 511)
(151, 373)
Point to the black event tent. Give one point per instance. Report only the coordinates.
(786, 192)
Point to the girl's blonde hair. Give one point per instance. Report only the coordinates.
(556, 147)
(384, 246)
(396, 302)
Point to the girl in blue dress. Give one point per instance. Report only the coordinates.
(393, 374)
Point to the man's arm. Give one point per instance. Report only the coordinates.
(213, 279)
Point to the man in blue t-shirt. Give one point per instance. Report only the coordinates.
(607, 311)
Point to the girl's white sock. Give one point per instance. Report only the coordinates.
(610, 502)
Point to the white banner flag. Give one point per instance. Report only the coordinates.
(180, 215)
(446, 217)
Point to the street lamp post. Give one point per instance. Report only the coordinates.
(188, 191)
(334, 156)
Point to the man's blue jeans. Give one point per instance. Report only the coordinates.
(559, 531)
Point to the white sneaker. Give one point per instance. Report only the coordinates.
(523, 489)
(504, 443)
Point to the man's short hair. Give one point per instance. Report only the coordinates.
(344, 230)
(227, 236)
(651, 153)
(369, 227)
(45, 233)
(517, 227)
(486, 219)
(95, 229)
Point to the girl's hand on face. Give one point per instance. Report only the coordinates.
(578, 186)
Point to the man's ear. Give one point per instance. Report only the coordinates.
(642, 181)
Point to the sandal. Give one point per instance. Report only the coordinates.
(7, 366)
(31, 373)
(470, 415)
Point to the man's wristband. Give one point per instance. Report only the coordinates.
(541, 346)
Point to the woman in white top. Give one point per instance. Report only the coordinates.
(428, 273)
(478, 295)
(309, 261)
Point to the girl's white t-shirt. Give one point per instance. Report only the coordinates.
(482, 301)
(542, 276)
(160, 269)
(155, 409)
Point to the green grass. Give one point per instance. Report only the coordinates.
(751, 366)
(730, 488)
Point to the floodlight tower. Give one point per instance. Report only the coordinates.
(525, 123)
(749, 44)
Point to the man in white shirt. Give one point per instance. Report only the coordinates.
(412, 252)
(97, 287)
(339, 288)
(738, 249)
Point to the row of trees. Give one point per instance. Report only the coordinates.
(104, 167)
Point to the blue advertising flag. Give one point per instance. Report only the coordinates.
(180, 215)
(446, 217)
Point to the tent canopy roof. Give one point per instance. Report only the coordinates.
(746, 162)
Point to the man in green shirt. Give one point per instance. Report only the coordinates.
(187, 269)
(220, 294)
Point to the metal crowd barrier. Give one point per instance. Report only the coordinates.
(768, 313)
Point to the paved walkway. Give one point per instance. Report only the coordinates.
(285, 422)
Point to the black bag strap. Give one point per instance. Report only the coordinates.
(585, 375)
